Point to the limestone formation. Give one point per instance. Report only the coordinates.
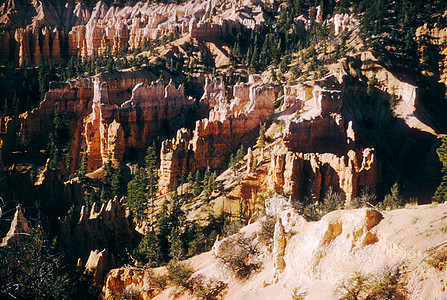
(214, 138)
(279, 247)
(18, 230)
(101, 228)
(98, 265)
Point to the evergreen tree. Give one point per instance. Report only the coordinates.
(441, 192)
(261, 139)
(42, 77)
(197, 185)
(117, 183)
(137, 195)
(83, 167)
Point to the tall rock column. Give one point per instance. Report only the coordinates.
(279, 247)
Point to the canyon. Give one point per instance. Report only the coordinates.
(191, 127)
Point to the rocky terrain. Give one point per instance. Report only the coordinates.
(316, 259)
(223, 149)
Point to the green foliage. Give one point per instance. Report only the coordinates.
(33, 270)
(394, 199)
(390, 283)
(173, 237)
(332, 201)
(441, 192)
(265, 236)
(260, 142)
(366, 197)
(179, 273)
(83, 167)
(137, 195)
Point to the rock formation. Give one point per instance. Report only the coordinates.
(104, 228)
(134, 280)
(279, 247)
(44, 28)
(18, 230)
(111, 129)
(98, 265)
(228, 126)
(107, 115)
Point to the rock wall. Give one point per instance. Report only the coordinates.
(311, 174)
(103, 228)
(111, 129)
(213, 140)
(56, 31)
(107, 114)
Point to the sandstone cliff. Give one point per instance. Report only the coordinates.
(107, 115)
(103, 228)
(228, 126)
(57, 30)
(317, 258)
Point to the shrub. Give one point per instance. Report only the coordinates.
(180, 274)
(331, 201)
(265, 236)
(239, 254)
(365, 197)
(393, 200)
(390, 283)
(438, 260)
(208, 289)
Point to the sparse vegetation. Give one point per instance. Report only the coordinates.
(438, 259)
(265, 235)
(332, 201)
(390, 283)
(240, 253)
(180, 274)
(394, 199)
(365, 198)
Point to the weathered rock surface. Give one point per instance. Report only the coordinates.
(98, 265)
(132, 280)
(279, 247)
(18, 230)
(104, 228)
(107, 114)
(54, 30)
(228, 126)
(111, 129)
(320, 256)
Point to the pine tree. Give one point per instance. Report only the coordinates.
(42, 77)
(441, 192)
(68, 161)
(137, 195)
(197, 186)
(260, 143)
(83, 167)
(116, 183)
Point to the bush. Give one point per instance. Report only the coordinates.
(365, 197)
(438, 260)
(393, 200)
(208, 289)
(239, 254)
(331, 201)
(265, 236)
(388, 284)
(180, 274)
